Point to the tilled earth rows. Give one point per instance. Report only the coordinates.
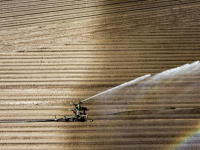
(57, 52)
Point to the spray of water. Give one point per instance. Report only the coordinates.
(163, 90)
(172, 94)
(170, 86)
(122, 85)
(182, 70)
(167, 75)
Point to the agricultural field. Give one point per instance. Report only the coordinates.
(56, 52)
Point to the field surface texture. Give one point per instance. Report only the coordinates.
(53, 52)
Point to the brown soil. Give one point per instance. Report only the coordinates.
(57, 52)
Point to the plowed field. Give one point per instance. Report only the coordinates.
(56, 52)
